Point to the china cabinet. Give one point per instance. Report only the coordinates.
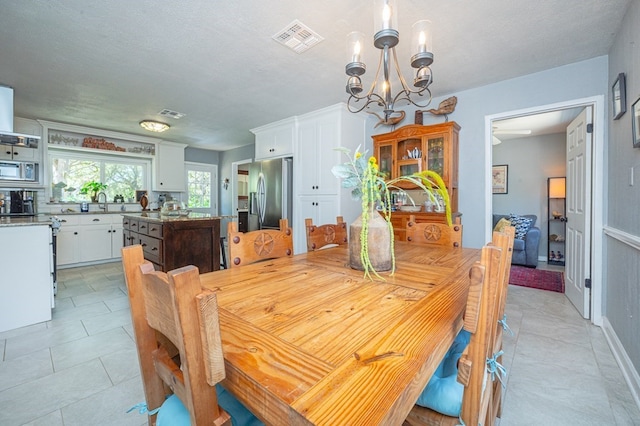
(556, 229)
(414, 148)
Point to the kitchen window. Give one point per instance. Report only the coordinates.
(69, 171)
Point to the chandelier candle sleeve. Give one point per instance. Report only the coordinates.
(385, 15)
(355, 43)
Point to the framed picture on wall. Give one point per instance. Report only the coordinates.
(635, 123)
(500, 175)
(619, 96)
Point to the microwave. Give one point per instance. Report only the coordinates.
(18, 170)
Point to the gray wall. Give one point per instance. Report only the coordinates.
(575, 81)
(622, 260)
(198, 155)
(531, 161)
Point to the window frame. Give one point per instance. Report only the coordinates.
(102, 159)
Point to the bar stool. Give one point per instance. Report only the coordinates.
(223, 263)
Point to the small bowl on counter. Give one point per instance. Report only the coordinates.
(174, 208)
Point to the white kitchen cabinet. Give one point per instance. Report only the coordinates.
(169, 167)
(94, 237)
(89, 238)
(318, 192)
(117, 239)
(18, 153)
(67, 241)
(320, 208)
(27, 280)
(318, 136)
(275, 140)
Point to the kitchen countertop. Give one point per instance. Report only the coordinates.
(157, 217)
(74, 212)
(38, 220)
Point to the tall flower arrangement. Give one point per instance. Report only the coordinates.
(367, 184)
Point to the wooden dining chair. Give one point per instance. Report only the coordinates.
(503, 240)
(246, 248)
(474, 372)
(327, 235)
(177, 336)
(440, 234)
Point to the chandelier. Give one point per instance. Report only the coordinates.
(385, 39)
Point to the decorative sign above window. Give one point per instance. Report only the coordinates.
(75, 140)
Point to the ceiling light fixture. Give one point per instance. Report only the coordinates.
(385, 39)
(154, 126)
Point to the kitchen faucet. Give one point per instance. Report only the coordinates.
(102, 206)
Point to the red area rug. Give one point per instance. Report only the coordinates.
(537, 278)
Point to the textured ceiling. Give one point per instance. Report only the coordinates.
(110, 64)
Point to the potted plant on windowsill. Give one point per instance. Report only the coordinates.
(93, 188)
(369, 186)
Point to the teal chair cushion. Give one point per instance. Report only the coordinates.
(173, 412)
(443, 392)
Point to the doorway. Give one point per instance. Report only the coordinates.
(593, 300)
(235, 187)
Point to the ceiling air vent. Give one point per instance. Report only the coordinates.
(173, 114)
(297, 37)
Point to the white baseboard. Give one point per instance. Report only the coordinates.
(628, 370)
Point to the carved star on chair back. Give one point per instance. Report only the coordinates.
(330, 234)
(250, 247)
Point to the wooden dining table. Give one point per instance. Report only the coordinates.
(308, 340)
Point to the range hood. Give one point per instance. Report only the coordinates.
(7, 135)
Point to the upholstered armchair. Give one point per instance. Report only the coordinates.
(527, 241)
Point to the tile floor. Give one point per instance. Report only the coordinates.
(80, 368)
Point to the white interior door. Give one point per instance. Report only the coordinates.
(202, 188)
(578, 240)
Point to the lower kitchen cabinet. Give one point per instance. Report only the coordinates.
(173, 242)
(89, 238)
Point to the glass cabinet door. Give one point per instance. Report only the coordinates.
(385, 160)
(409, 154)
(435, 154)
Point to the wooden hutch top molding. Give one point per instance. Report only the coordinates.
(417, 129)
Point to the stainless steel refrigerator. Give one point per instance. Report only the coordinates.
(270, 193)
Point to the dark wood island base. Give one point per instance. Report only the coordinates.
(171, 242)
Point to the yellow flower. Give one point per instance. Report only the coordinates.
(358, 155)
(372, 160)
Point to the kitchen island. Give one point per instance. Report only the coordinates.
(170, 242)
(27, 271)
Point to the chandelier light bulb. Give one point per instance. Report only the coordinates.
(356, 52)
(386, 17)
(422, 39)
